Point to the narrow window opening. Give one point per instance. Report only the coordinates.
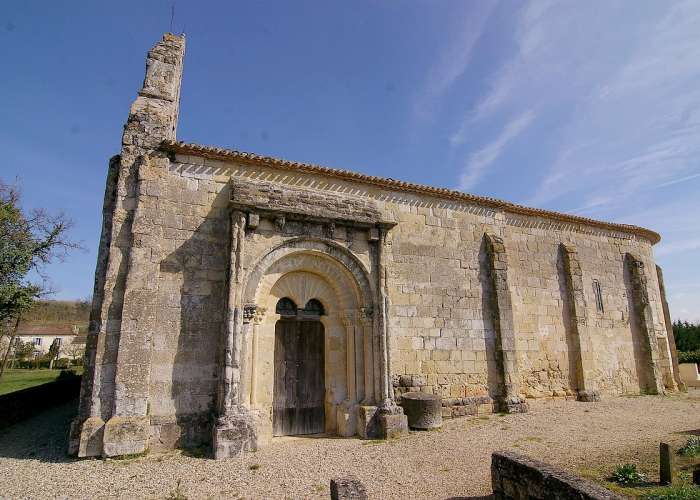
(598, 296)
(286, 307)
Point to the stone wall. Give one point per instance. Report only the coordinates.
(515, 476)
(473, 300)
(443, 338)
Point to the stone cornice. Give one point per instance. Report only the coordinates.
(253, 159)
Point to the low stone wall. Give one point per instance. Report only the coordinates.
(19, 405)
(515, 476)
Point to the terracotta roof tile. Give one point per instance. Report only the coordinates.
(232, 155)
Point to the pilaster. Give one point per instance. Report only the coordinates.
(583, 349)
(669, 332)
(645, 323)
(509, 400)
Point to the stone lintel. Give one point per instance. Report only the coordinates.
(292, 203)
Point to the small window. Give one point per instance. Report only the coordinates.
(598, 296)
(286, 307)
(314, 308)
(36, 341)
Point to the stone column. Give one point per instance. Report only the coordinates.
(368, 348)
(393, 423)
(257, 320)
(347, 411)
(669, 331)
(348, 320)
(509, 400)
(359, 355)
(585, 364)
(236, 427)
(645, 322)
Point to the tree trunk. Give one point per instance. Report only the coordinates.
(9, 346)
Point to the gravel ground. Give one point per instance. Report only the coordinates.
(586, 438)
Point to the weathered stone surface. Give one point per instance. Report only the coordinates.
(515, 476)
(125, 436)
(90, 433)
(466, 299)
(348, 488)
(423, 411)
(393, 426)
(368, 426)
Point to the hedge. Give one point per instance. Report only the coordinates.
(689, 357)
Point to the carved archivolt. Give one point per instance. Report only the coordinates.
(340, 270)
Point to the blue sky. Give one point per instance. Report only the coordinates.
(590, 108)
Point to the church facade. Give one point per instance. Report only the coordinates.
(239, 297)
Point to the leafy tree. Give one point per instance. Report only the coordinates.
(29, 240)
(687, 336)
(24, 351)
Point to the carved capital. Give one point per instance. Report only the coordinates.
(259, 315)
(249, 312)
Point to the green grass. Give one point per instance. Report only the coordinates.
(17, 379)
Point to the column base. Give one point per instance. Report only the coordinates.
(86, 437)
(238, 432)
(347, 418)
(392, 422)
(512, 404)
(126, 436)
(368, 422)
(588, 396)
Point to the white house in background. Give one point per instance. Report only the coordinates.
(42, 336)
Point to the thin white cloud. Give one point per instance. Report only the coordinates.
(478, 161)
(453, 60)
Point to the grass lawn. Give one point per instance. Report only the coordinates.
(16, 379)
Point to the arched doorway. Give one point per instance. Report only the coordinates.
(299, 387)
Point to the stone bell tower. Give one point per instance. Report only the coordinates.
(113, 413)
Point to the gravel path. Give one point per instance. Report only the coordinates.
(581, 437)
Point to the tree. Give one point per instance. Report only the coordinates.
(687, 336)
(75, 351)
(24, 350)
(54, 351)
(28, 242)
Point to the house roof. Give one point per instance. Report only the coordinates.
(382, 182)
(43, 330)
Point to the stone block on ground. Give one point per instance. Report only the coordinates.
(423, 410)
(347, 488)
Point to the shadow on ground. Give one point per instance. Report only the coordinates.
(485, 497)
(42, 437)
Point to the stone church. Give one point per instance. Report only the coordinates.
(240, 297)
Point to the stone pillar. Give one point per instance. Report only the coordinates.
(116, 384)
(368, 348)
(393, 423)
(257, 320)
(359, 356)
(669, 331)
(585, 385)
(236, 429)
(509, 400)
(347, 411)
(641, 309)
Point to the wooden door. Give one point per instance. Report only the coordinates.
(299, 383)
